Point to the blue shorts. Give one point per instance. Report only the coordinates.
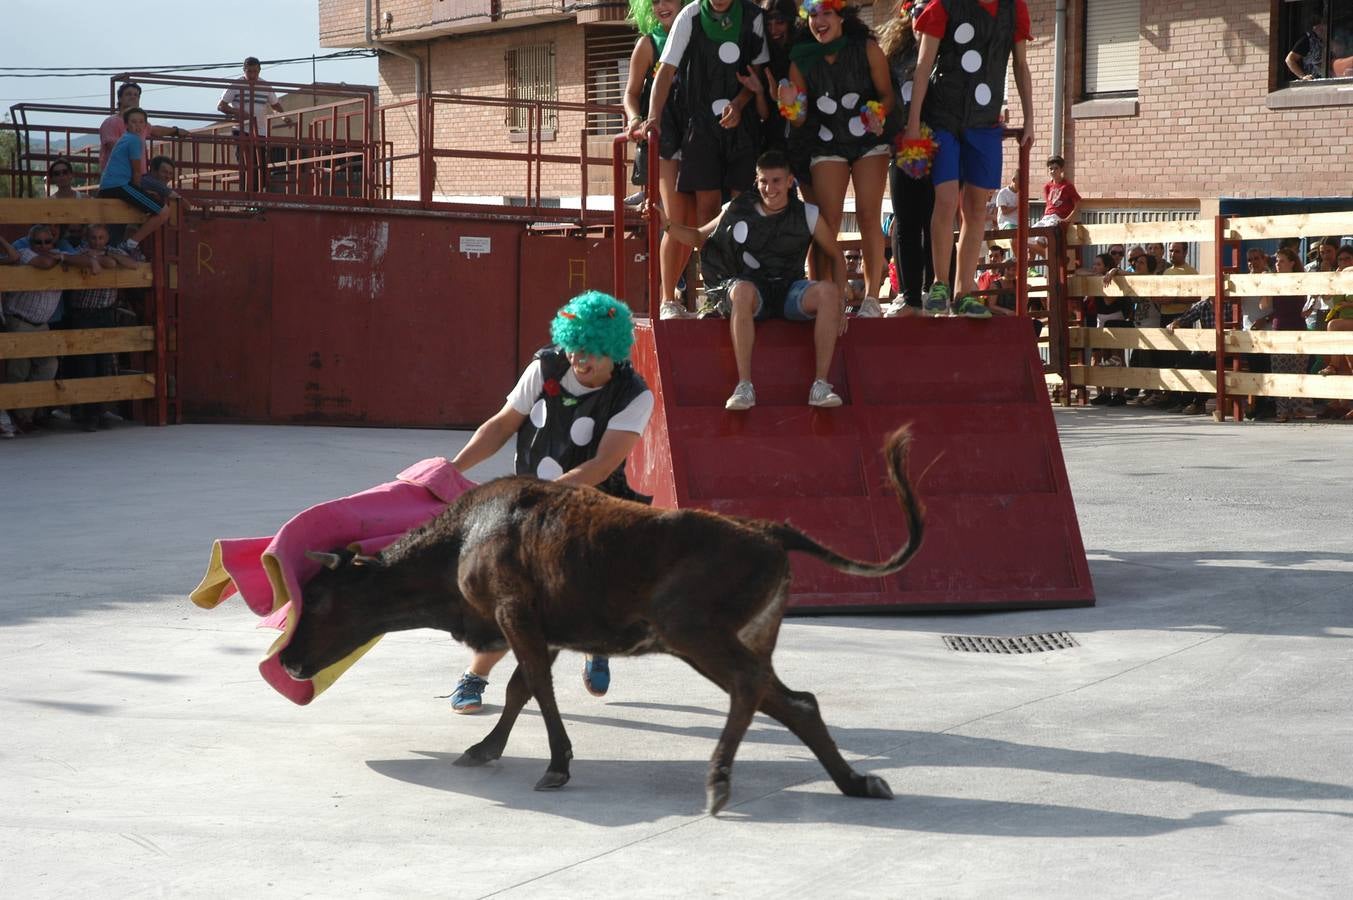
(792, 308)
(973, 157)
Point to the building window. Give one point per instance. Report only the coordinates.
(1112, 29)
(1315, 40)
(607, 63)
(530, 77)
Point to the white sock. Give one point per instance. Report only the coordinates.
(131, 243)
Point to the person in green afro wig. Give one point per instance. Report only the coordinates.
(576, 413)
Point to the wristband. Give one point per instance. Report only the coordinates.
(794, 111)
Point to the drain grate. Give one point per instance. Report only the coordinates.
(1022, 643)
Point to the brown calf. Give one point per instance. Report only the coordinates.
(540, 567)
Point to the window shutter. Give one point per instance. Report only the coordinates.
(1112, 32)
(607, 62)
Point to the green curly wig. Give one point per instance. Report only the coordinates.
(643, 17)
(594, 323)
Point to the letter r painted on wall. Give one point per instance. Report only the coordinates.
(204, 257)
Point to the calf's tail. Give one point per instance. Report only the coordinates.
(895, 450)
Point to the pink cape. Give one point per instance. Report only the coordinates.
(268, 572)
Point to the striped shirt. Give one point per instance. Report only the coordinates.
(92, 298)
(34, 307)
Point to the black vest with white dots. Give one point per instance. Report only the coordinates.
(837, 93)
(761, 249)
(709, 78)
(563, 431)
(968, 84)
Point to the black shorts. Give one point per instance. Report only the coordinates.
(711, 164)
(129, 193)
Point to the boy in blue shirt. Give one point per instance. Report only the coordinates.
(121, 178)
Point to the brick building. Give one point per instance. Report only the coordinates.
(1168, 107)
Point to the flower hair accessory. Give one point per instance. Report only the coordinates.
(913, 157)
(819, 6)
(871, 114)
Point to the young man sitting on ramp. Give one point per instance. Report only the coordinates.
(752, 260)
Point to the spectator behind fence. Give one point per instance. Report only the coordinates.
(1326, 252)
(1285, 314)
(753, 262)
(8, 257)
(913, 199)
(1157, 251)
(1340, 318)
(248, 101)
(26, 312)
(95, 308)
(122, 180)
(963, 108)
(159, 180)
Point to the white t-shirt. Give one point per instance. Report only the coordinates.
(237, 95)
(1007, 197)
(524, 395)
(688, 19)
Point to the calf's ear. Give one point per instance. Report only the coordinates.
(328, 560)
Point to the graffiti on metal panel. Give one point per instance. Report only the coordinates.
(204, 258)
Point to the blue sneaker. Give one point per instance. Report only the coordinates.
(468, 697)
(973, 308)
(597, 675)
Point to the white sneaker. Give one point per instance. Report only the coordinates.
(670, 309)
(743, 397)
(821, 394)
(7, 429)
(898, 309)
(869, 309)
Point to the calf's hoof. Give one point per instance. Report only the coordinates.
(877, 788)
(716, 793)
(552, 781)
(478, 755)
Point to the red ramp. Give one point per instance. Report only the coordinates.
(1001, 529)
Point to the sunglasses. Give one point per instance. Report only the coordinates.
(1115, 252)
(1134, 259)
(46, 243)
(60, 172)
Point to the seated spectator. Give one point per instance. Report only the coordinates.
(1306, 59)
(1060, 201)
(94, 308)
(1325, 255)
(29, 311)
(1006, 203)
(8, 257)
(60, 174)
(753, 260)
(122, 179)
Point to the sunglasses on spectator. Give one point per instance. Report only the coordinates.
(60, 172)
(1134, 259)
(1115, 252)
(37, 243)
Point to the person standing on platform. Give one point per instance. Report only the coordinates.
(913, 198)
(576, 413)
(966, 46)
(653, 19)
(718, 49)
(839, 101)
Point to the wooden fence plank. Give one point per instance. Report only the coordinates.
(77, 390)
(1198, 381)
(1324, 387)
(1144, 339)
(50, 211)
(1148, 286)
(1317, 343)
(1192, 230)
(1280, 283)
(25, 344)
(1254, 227)
(60, 278)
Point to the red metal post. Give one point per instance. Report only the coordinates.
(618, 192)
(1022, 233)
(1219, 307)
(654, 232)
(582, 165)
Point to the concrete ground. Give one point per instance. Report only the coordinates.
(1196, 743)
